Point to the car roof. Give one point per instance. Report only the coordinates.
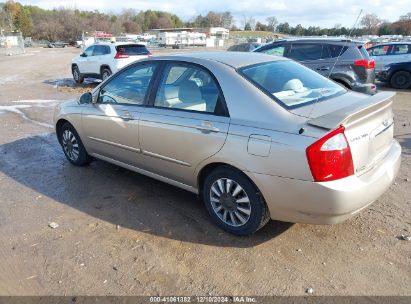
(392, 43)
(117, 43)
(233, 59)
(320, 39)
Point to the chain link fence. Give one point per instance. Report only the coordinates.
(11, 43)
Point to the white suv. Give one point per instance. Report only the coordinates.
(100, 60)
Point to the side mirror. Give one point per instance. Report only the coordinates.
(86, 98)
(83, 55)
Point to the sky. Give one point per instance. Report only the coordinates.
(324, 13)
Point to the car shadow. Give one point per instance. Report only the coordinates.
(119, 196)
(405, 142)
(69, 83)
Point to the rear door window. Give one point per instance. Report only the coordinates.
(305, 51)
(99, 50)
(132, 49)
(337, 50)
(400, 49)
(193, 90)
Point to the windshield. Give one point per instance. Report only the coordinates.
(291, 83)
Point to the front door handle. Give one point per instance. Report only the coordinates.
(207, 127)
(323, 68)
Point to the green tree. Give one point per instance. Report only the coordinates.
(23, 22)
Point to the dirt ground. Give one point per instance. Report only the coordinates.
(121, 233)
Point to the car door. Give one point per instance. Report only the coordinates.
(313, 55)
(85, 60)
(95, 61)
(399, 53)
(187, 123)
(111, 123)
(380, 54)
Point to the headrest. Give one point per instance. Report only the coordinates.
(189, 92)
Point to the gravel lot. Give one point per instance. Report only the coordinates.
(121, 233)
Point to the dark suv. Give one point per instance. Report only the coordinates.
(345, 61)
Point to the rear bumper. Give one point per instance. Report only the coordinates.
(367, 88)
(331, 202)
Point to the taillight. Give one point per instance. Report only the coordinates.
(120, 55)
(330, 157)
(365, 63)
(149, 55)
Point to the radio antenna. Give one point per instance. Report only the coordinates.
(338, 58)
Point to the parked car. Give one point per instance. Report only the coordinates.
(398, 75)
(256, 136)
(58, 44)
(344, 61)
(244, 47)
(388, 53)
(102, 59)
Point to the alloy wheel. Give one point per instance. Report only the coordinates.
(230, 202)
(70, 145)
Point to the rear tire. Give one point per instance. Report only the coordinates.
(105, 73)
(401, 80)
(73, 147)
(77, 75)
(234, 202)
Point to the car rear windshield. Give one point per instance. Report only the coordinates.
(132, 49)
(290, 83)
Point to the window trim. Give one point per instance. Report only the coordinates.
(160, 75)
(149, 88)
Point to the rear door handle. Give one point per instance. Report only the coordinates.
(207, 127)
(126, 116)
(323, 68)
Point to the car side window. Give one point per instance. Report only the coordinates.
(89, 51)
(380, 50)
(194, 89)
(337, 50)
(400, 49)
(99, 50)
(129, 86)
(305, 51)
(277, 50)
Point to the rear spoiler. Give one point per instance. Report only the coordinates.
(354, 112)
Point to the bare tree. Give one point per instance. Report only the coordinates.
(272, 23)
(407, 16)
(370, 22)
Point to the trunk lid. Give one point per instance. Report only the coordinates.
(369, 127)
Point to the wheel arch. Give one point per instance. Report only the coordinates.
(105, 66)
(59, 125)
(202, 173)
(342, 81)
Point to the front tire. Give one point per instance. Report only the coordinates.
(73, 147)
(77, 75)
(234, 202)
(401, 80)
